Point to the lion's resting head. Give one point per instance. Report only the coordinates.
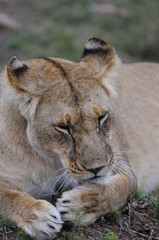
(67, 107)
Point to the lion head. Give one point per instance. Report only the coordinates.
(67, 107)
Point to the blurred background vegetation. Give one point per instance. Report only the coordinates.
(33, 28)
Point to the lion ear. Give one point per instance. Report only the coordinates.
(98, 56)
(16, 71)
(21, 77)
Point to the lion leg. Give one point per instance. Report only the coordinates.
(95, 200)
(38, 218)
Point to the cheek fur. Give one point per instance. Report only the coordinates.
(62, 139)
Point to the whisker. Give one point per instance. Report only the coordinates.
(54, 184)
(126, 152)
(65, 186)
(121, 165)
(66, 178)
(44, 184)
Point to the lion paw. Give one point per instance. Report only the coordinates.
(43, 221)
(78, 205)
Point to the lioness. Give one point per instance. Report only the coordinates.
(62, 126)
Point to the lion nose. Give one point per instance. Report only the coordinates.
(95, 170)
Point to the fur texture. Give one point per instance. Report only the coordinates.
(62, 126)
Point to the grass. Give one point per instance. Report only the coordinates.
(77, 228)
(138, 194)
(69, 236)
(111, 236)
(116, 215)
(157, 204)
(12, 227)
(60, 29)
(78, 221)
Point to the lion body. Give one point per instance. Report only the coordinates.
(62, 126)
(136, 109)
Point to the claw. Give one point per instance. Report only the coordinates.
(66, 201)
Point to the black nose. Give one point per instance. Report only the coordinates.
(95, 170)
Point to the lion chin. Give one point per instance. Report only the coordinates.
(86, 133)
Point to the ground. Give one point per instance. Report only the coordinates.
(60, 28)
(139, 220)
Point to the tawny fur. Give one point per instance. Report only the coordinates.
(60, 121)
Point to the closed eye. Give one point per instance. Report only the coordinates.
(62, 128)
(102, 119)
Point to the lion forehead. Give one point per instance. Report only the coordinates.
(75, 99)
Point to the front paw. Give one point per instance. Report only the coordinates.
(80, 203)
(42, 221)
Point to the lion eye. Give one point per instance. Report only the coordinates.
(63, 129)
(102, 119)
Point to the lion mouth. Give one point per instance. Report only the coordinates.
(95, 177)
